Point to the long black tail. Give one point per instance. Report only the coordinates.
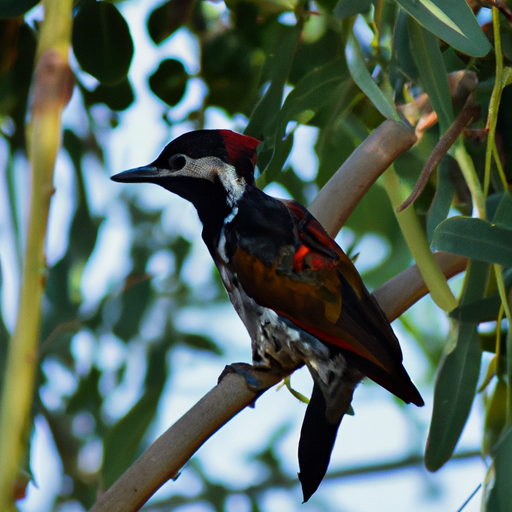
(317, 438)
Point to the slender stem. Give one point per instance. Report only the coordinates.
(418, 244)
(492, 117)
(467, 168)
(498, 270)
(51, 92)
(501, 171)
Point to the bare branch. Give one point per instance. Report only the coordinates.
(333, 205)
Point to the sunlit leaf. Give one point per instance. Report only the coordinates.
(452, 21)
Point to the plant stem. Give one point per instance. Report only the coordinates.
(492, 117)
(418, 244)
(468, 171)
(52, 89)
(498, 270)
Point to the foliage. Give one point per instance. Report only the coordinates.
(271, 67)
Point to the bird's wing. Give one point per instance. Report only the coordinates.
(314, 284)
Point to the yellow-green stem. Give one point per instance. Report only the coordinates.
(492, 117)
(51, 92)
(498, 270)
(418, 244)
(501, 171)
(468, 171)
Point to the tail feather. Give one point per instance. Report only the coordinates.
(317, 438)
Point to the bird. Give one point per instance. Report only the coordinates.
(299, 295)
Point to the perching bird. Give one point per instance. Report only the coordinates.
(299, 295)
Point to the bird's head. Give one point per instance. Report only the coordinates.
(205, 166)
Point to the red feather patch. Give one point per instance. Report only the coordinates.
(239, 146)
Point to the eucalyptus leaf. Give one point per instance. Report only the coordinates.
(453, 21)
(457, 378)
(500, 497)
(362, 77)
(429, 60)
(475, 238)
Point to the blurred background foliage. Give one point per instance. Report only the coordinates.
(270, 68)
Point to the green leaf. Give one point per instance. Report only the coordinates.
(402, 47)
(495, 416)
(453, 21)
(457, 378)
(475, 238)
(443, 198)
(167, 18)
(507, 76)
(482, 310)
(365, 82)
(429, 60)
(169, 81)
(503, 215)
(279, 63)
(279, 155)
(134, 302)
(500, 497)
(310, 94)
(15, 8)
(348, 8)
(102, 42)
(230, 67)
(117, 97)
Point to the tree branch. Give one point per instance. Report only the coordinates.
(332, 207)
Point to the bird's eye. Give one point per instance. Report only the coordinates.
(177, 162)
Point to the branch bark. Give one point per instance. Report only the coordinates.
(332, 207)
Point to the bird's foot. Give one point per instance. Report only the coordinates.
(257, 379)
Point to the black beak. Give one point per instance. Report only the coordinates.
(146, 174)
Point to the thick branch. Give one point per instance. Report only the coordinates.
(332, 207)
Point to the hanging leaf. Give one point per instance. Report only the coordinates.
(457, 378)
(167, 18)
(169, 81)
(429, 60)
(102, 42)
(500, 497)
(475, 238)
(452, 21)
(364, 80)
